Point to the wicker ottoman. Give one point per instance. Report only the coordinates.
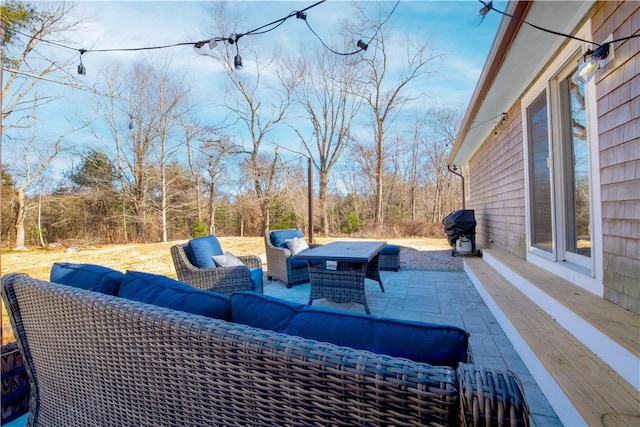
(389, 258)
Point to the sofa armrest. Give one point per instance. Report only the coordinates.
(224, 280)
(251, 261)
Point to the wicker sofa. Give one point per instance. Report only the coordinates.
(99, 359)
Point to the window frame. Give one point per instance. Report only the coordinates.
(586, 272)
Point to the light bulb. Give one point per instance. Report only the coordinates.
(585, 70)
(237, 62)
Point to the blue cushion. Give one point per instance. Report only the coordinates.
(166, 292)
(86, 276)
(298, 263)
(390, 250)
(279, 237)
(202, 249)
(262, 311)
(421, 342)
(256, 279)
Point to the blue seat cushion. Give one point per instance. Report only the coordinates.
(256, 279)
(298, 263)
(279, 237)
(202, 249)
(166, 292)
(87, 276)
(262, 311)
(438, 345)
(390, 250)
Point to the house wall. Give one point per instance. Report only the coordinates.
(618, 95)
(496, 170)
(496, 187)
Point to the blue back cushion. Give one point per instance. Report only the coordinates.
(262, 311)
(202, 249)
(279, 237)
(166, 292)
(438, 345)
(86, 276)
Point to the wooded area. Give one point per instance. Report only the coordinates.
(152, 168)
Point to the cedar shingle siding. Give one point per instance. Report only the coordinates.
(618, 94)
(496, 187)
(496, 170)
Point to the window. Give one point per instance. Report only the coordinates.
(557, 146)
(540, 176)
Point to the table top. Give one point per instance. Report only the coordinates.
(343, 251)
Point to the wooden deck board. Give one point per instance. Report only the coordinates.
(614, 321)
(600, 395)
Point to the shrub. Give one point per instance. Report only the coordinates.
(199, 229)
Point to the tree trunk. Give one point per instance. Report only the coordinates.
(323, 199)
(379, 216)
(20, 215)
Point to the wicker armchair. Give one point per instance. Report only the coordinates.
(281, 264)
(224, 280)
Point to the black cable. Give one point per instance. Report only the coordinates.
(304, 18)
(200, 43)
(489, 6)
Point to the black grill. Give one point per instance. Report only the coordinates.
(459, 224)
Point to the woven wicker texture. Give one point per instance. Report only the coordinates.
(389, 262)
(279, 263)
(224, 280)
(345, 284)
(134, 364)
(491, 397)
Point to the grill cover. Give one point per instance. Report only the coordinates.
(459, 223)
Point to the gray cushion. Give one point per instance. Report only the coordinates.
(226, 260)
(297, 245)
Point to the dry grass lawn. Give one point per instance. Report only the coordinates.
(149, 257)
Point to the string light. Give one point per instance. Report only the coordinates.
(81, 70)
(233, 39)
(212, 43)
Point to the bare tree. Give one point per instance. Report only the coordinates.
(325, 93)
(32, 171)
(27, 63)
(443, 124)
(386, 89)
(23, 29)
(208, 153)
(258, 99)
(145, 104)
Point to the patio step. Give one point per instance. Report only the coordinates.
(580, 386)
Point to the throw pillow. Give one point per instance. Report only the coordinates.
(226, 260)
(297, 245)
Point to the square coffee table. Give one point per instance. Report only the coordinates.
(355, 262)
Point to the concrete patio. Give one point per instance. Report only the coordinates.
(446, 297)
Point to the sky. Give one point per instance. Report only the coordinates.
(458, 38)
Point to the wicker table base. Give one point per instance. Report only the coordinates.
(355, 263)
